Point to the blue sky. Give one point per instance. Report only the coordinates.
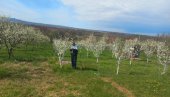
(148, 17)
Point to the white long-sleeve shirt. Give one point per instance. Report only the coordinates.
(74, 47)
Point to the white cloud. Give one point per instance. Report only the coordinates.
(93, 14)
(125, 10)
(15, 9)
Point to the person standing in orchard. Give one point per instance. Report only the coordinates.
(74, 52)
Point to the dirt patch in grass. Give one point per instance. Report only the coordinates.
(66, 62)
(127, 92)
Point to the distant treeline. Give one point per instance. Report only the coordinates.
(164, 37)
(78, 34)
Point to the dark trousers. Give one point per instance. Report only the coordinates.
(74, 60)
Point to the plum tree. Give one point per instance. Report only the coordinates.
(129, 48)
(118, 52)
(60, 47)
(149, 47)
(97, 49)
(88, 43)
(12, 34)
(163, 55)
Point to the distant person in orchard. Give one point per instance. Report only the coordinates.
(136, 52)
(74, 52)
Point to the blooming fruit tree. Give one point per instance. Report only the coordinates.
(60, 47)
(163, 55)
(118, 47)
(149, 47)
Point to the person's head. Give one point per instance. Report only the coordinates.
(74, 44)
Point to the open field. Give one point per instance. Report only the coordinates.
(37, 74)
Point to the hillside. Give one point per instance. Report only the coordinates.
(55, 31)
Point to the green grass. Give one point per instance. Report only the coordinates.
(31, 53)
(37, 74)
(3, 72)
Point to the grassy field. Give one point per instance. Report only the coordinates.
(36, 73)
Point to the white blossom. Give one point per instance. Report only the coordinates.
(60, 47)
(97, 49)
(12, 34)
(129, 48)
(163, 55)
(149, 47)
(88, 43)
(118, 50)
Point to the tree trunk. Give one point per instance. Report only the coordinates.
(60, 62)
(130, 62)
(97, 60)
(51, 39)
(10, 53)
(87, 53)
(112, 55)
(118, 63)
(27, 46)
(147, 60)
(164, 70)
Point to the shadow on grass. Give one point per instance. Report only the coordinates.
(4, 73)
(136, 73)
(18, 74)
(87, 69)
